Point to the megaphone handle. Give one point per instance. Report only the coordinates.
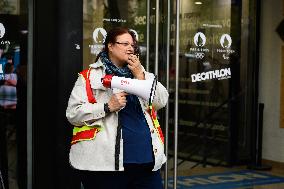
(153, 89)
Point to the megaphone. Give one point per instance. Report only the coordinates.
(142, 88)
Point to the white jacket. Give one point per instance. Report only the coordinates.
(99, 154)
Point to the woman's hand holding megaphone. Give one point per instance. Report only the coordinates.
(135, 66)
(117, 101)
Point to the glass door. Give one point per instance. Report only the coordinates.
(212, 84)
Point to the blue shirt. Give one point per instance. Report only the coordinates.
(137, 141)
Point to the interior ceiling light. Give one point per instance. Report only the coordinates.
(198, 2)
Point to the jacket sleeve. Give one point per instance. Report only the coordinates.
(79, 111)
(161, 94)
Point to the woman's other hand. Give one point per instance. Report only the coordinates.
(135, 66)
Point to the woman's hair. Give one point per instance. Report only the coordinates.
(112, 36)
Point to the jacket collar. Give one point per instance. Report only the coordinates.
(98, 71)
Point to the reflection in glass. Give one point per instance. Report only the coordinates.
(100, 16)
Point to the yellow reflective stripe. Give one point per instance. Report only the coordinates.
(84, 128)
(80, 129)
(156, 123)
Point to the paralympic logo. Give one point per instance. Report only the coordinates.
(135, 33)
(226, 41)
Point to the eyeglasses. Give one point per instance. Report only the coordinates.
(126, 44)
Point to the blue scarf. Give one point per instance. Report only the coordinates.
(113, 69)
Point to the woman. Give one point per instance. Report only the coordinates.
(126, 149)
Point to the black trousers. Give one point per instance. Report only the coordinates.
(135, 176)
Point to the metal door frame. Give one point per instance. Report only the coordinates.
(157, 9)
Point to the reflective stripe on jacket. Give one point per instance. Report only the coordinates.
(82, 133)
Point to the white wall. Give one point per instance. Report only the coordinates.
(269, 79)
